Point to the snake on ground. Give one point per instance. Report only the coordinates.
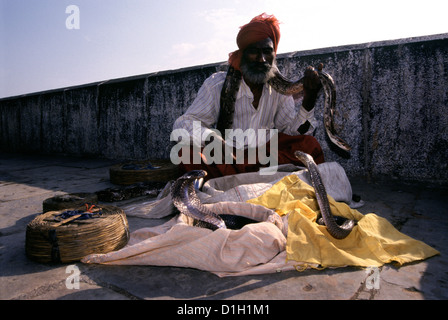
(185, 199)
(336, 231)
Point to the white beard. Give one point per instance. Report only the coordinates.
(258, 77)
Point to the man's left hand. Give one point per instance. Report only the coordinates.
(311, 79)
(311, 86)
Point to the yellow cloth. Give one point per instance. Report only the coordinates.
(372, 242)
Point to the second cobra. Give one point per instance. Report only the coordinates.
(335, 230)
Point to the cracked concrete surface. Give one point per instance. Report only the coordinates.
(417, 210)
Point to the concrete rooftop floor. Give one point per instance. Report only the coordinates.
(418, 210)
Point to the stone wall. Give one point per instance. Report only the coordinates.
(391, 108)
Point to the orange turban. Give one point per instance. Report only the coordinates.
(261, 27)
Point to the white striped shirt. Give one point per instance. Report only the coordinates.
(275, 111)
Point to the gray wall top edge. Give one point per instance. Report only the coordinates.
(219, 65)
(363, 46)
(116, 80)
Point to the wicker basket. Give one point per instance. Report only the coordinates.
(67, 201)
(52, 240)
(165, 172)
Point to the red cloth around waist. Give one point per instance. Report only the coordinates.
(287, 145)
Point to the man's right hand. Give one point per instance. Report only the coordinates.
(210, 139)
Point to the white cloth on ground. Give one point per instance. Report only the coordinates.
(254, 249)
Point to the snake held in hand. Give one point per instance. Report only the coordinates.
(336, 231)
(287, 87)
(185, 199)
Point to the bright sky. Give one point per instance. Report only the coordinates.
(120, 38)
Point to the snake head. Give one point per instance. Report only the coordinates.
(194, 174)
(303, 157)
